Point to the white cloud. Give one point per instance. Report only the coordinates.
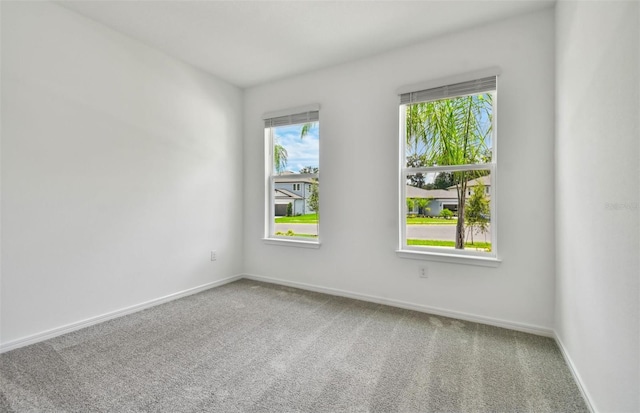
(301, 152)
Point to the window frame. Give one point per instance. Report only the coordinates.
(451, 255)
(297, 116)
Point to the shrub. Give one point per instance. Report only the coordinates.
(446, 214)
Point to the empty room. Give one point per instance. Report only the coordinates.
(166, 244)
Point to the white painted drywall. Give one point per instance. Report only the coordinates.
(358, 166)
(120, 172)
(597, 187)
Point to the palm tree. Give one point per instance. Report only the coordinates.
(453, 131)
(416, 136)
(416, 131)
(280, 156)
(306, 128)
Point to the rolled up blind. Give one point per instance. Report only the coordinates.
(292, 116)
(471, 87)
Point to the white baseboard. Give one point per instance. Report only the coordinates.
(526, 328)
(574, 372)
(36, 338)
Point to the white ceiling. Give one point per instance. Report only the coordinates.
(248, 43)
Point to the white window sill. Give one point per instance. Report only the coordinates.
(299, 243)
(450, 258)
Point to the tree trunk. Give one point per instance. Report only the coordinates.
(462, 189)
(460, 226)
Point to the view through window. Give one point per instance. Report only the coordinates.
(448, 169)
(293, 207)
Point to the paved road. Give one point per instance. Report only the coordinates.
(441, 232)
(298, 228)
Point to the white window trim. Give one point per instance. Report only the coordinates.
(468, 257)
(292, 242)
(288, 241)
(449, 258)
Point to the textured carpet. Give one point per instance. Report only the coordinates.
(249, 347)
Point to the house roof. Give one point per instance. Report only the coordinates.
(284, 194)
(414, 192)
(294, 178)
(484, 180)
(449, 193)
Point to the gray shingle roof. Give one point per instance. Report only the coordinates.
(294, 178)
(284, 194)
(413, 192)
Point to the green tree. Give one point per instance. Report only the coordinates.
(446, 213)
(280, 156)
(422, 205)
(477, 212)
(416, 133)
(314, 197)
(289, 209)
(416, 161)
(443, 180)
(306, 128)
(416, 136)
(309, 170)
(453, 131)
(411, 203)
(314, 200)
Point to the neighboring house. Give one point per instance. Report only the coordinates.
(295, 189)
(445, 198)
(484, 180)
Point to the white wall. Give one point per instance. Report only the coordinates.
(121, 168)
(597, 189)
(359, 147)
(120, 172)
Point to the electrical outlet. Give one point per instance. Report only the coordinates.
(422, 272)
(214, 256)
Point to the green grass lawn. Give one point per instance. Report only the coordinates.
(313, 219)
(430, 221)
(442, 243)
(300, 219)
(293, 234)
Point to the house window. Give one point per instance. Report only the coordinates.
(292, 153)
(447, 170)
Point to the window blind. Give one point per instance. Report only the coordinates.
(304, 114)
(471, 87)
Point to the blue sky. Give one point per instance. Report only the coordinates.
(301, 152)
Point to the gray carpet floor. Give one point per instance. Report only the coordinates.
(257, 347)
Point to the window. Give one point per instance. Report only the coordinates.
(448, 169)
(293, 159)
